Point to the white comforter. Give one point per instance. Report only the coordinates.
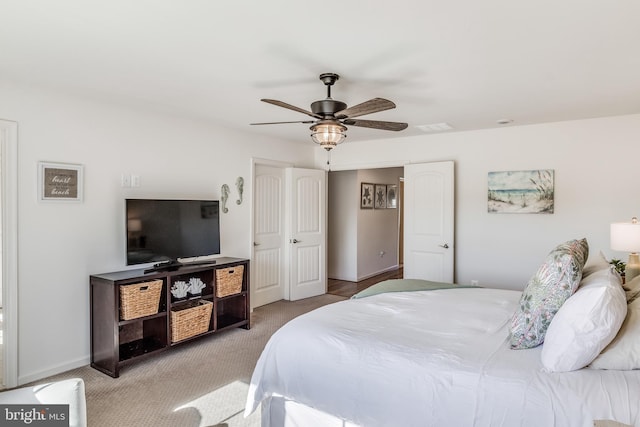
(432, 358)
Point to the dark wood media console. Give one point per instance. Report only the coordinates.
(116, 342)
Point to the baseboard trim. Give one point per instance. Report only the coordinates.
(37, 376)
(392, 268)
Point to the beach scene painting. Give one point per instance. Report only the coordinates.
(521, 191)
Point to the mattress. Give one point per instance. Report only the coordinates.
(431, 358)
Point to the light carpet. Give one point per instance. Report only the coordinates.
(200, 384)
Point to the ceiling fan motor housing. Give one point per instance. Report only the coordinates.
(327, 107)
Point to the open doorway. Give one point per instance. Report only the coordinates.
(364, 239)
(418, 236)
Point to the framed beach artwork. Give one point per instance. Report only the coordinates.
(529, 191)
(366, 195)
(380, 200)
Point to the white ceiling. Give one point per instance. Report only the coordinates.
(468, 63)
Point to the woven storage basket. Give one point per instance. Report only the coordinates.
(140, 299)
(229, 280)
(192, 321)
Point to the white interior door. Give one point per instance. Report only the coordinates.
(307, 233)
(429, 221)
(268, 278)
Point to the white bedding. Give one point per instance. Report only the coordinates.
(431, 358)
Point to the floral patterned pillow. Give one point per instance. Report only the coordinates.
(554, 282)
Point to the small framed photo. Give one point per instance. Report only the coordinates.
(392, 196)
(60, 182)
(380, 201)
(366, 195)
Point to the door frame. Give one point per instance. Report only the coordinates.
(276, 164)
(382, 165)
(9, 153)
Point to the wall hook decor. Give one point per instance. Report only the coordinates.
(240, 187)
(224, 196)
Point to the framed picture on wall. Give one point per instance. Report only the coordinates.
(60, 182)
(523, 191)
(380, 200)
(366, 195)
(392, 196)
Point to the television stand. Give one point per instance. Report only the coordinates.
(207, 262)
(175, 265)
(118, 340)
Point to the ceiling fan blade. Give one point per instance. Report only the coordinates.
(278, 123)
(376, 124)
(291, 107)
(371, 106)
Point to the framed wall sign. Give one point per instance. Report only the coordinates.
(60, 182)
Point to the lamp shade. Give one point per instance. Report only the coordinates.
(625, 236)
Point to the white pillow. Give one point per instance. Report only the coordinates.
(585, 324)
(624, 351)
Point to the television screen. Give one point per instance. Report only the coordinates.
(165, 230)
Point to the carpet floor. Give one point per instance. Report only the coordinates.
(200, 384)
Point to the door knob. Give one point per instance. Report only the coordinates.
(444, 246)
(256, 244)
(295, 241)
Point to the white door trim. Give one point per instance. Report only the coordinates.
(9, 147)
(372, 165)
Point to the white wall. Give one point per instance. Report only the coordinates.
(596, 183)
(60, 244)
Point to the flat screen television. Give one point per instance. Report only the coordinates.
(164, 231)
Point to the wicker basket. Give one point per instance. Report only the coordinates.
(190, 321)
(140, 299)
(229, 280)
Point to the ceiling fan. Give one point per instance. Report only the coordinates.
(332, 117)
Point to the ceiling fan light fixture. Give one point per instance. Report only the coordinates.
(328, 134)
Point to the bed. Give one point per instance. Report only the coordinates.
(441, 357)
